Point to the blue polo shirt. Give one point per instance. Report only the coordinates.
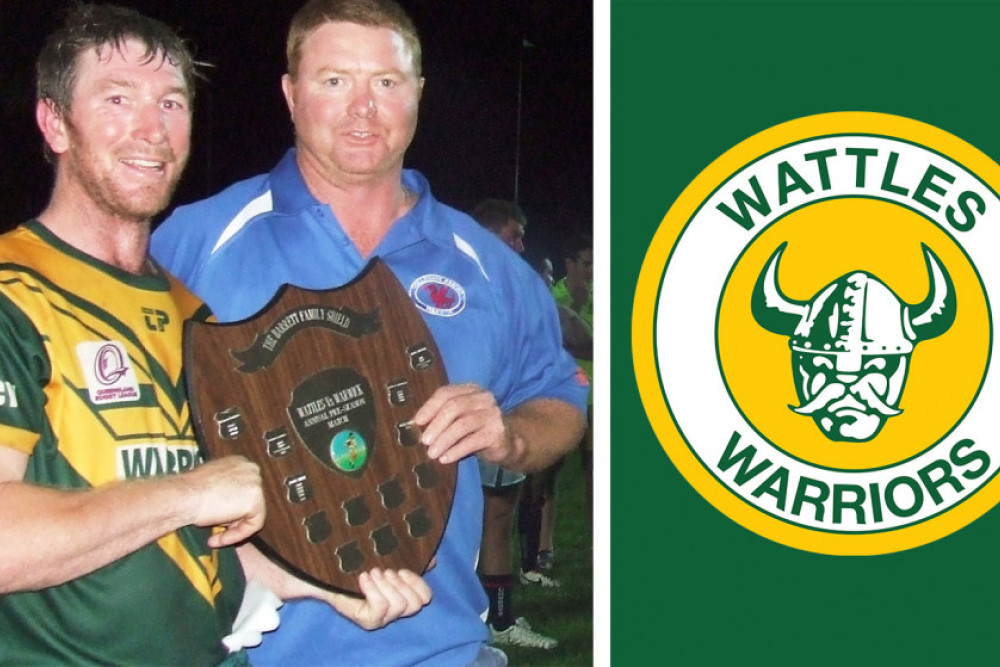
(491, 316)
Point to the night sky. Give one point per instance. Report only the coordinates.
(467, 138)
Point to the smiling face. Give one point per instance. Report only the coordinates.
(125, 139)
(353, 102)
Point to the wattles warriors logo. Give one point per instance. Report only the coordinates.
(812, 333)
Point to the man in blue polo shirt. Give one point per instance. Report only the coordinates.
(337, 199)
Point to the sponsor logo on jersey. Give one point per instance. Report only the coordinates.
(156, 320)
(108, 372)
(812, 333)
(148, 460)
(438, 295)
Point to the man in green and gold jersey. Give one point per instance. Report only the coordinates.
(116, 541)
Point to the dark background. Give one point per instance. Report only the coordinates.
(476, 52)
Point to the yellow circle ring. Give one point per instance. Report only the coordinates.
(644, 348)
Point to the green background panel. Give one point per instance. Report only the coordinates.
(689, 80)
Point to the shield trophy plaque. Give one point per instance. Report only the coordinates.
(319, 389)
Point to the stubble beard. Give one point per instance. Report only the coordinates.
(137, 205)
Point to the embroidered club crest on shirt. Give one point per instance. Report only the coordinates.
(438, 295)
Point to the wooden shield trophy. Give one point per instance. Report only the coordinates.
(319, 389)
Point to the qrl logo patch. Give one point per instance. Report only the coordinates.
(108, 372)
(812, 333)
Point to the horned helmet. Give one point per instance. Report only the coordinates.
(851, 343)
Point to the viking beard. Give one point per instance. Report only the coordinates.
(856, 412)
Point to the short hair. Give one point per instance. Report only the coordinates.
(370, 13)
(95, 26)
(494, 214)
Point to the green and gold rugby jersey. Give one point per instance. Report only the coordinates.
(91, 388)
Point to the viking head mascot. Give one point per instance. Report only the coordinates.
(851, 343)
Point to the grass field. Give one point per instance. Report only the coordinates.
(565, 613)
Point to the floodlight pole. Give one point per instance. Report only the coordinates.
(525, 45)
